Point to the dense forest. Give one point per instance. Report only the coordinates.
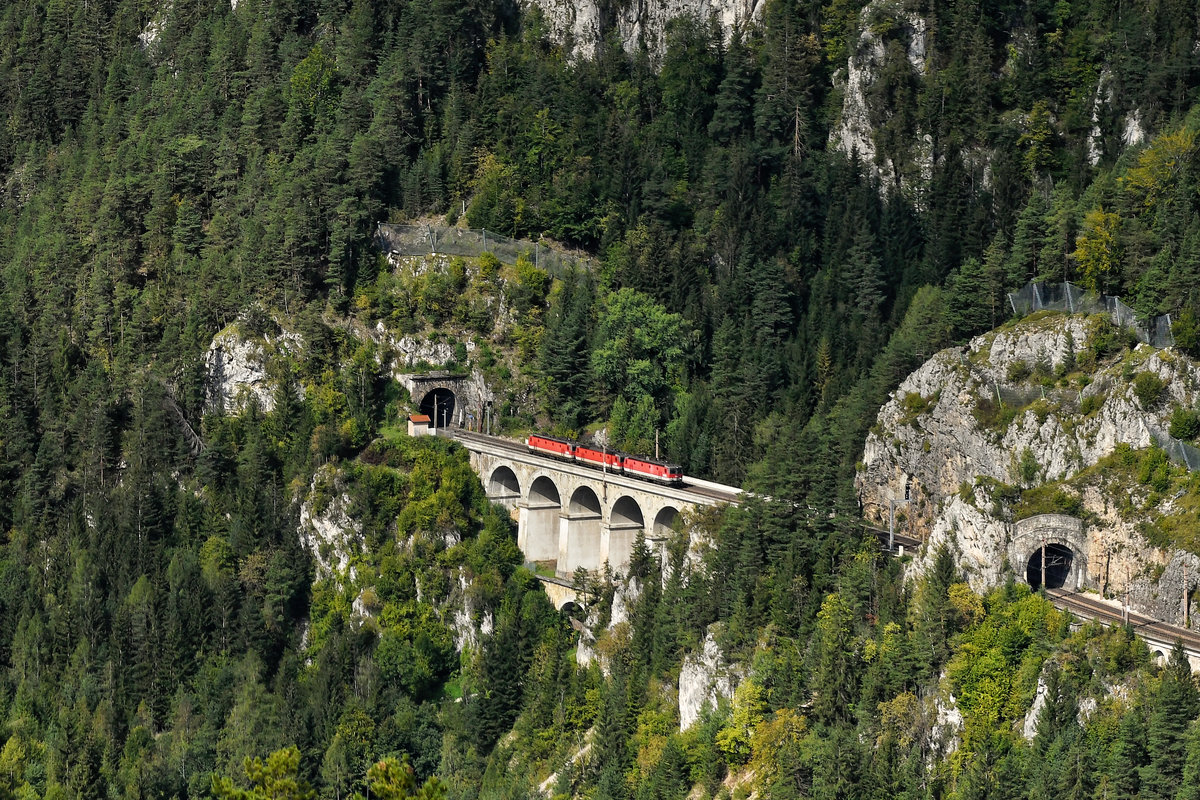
(171, 169)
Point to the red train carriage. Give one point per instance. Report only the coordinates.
(658, 471)
(600, 459)
(550, 446)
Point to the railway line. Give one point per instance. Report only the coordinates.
(1160, 636)
(1150, 629)
(696, 486)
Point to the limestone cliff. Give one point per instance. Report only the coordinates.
(861, 116)
(1027, 419)
(238, 360)
(582, 26)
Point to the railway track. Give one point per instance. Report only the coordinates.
(1093, 607)
(690, 484)
(1160, 634)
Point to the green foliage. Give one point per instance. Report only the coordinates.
(914, 405)
(278, 778)
(1017, 371)
(995, 667)
(1027, 468)
(1148, 388)
(390, 779)
(1049, 499)
(640, 347)
(1185, 423)
(994, 415)
(1185, 327)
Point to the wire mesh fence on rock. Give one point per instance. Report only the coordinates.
(1177, 450)
(1155, 331)
(421, 240)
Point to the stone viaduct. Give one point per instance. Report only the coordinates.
(575, 516)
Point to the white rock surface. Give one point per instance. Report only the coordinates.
(1134, 132)
(1029, 728)
(941, 452)
(467, 623)
(705, 678)
(330, 534)
(148, 38)
(948, 723)
(407, 352)
(236, 369)
(627, 593)
(581, 23)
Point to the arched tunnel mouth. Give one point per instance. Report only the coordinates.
(1058, 566)
(439, 405)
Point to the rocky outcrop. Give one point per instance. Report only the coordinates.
(327, 530)
(971, 422)
(704, 679)
(408, 352)
(944, 736)
(236, 368)
(468, 623)
(583, 26)
(857, 122)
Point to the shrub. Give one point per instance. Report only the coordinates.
(1154, 469)
(1091, 404)
(1148, 388)
(1186, 330)
(1017, 371)
(992, 416)
(1185, 423)
(1027, 468)
(1042, 371)
(913, 405)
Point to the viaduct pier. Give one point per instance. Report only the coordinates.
(573, 516)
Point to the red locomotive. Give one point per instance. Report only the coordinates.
(618, 463)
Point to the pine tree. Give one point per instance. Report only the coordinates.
(1175, 707)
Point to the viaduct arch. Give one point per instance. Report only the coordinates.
(570, 516)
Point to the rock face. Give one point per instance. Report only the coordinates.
(582, 26)
(705, 678)
(408, 352)
(236, 369)
(858, 120)
(971, 422)
(326, 528)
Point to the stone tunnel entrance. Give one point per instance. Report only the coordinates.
(439, 405)
(1059, 559)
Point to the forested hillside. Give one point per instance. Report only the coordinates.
(169, 169)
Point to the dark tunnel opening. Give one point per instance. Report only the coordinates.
(439, 405)
(1058, 566)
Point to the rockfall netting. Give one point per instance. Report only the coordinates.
(421, 240)
(1155, 331)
